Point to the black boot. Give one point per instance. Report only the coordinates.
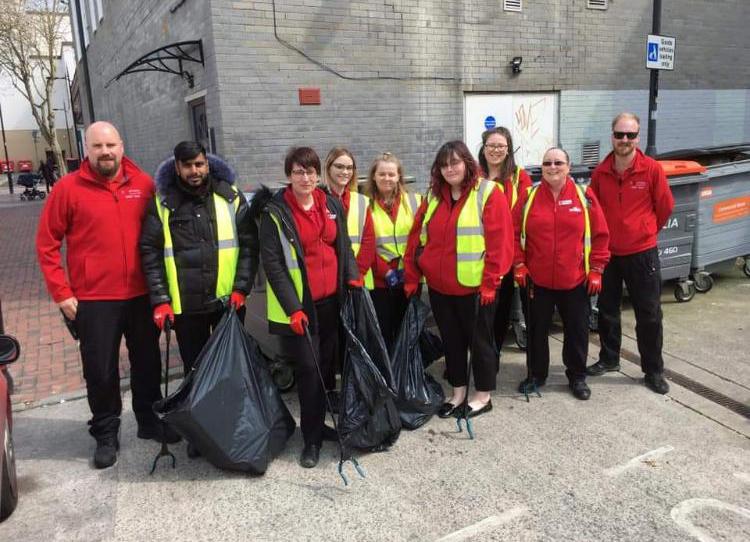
(310, 455)
(580, 389)
(153, 431)
(600, 367)
(106, 451)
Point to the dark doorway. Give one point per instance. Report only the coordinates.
(200, 123)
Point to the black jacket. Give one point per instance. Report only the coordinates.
(265, 203)
(192, 223)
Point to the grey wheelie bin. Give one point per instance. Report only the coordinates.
(675, 241)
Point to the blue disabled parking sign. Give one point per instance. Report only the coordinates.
(660, 52)
(653, 52)
(489, 122)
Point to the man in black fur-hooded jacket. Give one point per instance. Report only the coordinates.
(198, 245)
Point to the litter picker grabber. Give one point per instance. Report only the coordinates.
(530, 385)
(464, 408)
(164, 452)
(342, 456)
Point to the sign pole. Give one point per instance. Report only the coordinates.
(653, 88)
(5, 146)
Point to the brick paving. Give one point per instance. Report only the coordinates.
(50, 366)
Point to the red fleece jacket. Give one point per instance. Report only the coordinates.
(317, 233)
(438, 259)
(100, 221)
(636, 203)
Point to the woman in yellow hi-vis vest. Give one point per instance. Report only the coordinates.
(462, 243)
(393, 211)
(308, 261)
(498, 161)
(561, 245)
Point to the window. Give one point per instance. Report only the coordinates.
(597, 4)
(512, 5)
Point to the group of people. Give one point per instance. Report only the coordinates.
(181, 250)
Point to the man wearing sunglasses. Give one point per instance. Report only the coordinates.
(635, 196)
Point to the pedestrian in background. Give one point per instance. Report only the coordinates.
(498, 162)
(637, 201)
(462, 243)
(393, 211)
(97, 210)
(561, 243)
(308, 261)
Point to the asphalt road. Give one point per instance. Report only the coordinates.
(626, 465)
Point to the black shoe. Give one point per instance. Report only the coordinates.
(153, 431)
(656, 383)
(600, 367)
(310, 456)
(580, 389)
(329, 433)
(106, 452)
(528, 384)
(474, 413)
(192, 451)
(447, 410)
(334, 398)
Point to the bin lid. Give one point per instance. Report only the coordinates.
(681, 167)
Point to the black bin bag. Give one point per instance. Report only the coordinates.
(368, 418)
(228, 406)
(418, 394)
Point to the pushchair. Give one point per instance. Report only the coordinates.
(30, 181)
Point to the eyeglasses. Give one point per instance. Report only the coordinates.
(496, 147)
(451, 164)
(622, 135)
(558, 163)
(302, 172)
(343, 167)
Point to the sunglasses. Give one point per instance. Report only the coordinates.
(623, 135)
(557, 163)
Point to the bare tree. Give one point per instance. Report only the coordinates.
(31, 36)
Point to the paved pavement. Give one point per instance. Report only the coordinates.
(626, 465)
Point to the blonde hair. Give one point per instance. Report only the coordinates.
(626, 115)
(371, 187)
(335, 153)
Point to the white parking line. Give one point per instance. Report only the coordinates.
(681, 515)
(486, 524)
(636, 461)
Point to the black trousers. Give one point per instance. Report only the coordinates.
(390, 306)
(462, 327)
(193, 332)
(310, 390)
(574, 308)
(641, 273)
(504, 307)
(101, 325)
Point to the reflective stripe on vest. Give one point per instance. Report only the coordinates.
(227, 242)
(355, 225)
(390, 237)
(274, 310)
(581, 193)
(470, 242)
(513, 187)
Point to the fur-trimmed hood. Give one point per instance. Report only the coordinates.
(219, 169)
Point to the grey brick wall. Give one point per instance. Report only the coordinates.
(438, 48)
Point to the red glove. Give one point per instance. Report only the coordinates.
(594, 281)
(410, 289)
(356, 283)
(161, 312)
(237, 300)
(298, 322)
(520, 272)
(486, 295)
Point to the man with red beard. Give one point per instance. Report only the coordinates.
(635, 196)
(97, 211)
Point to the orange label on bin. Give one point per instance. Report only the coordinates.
(731, 209)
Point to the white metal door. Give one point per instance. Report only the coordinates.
(531, 118)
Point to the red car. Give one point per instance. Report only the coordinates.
(9, 352)
(25, 166)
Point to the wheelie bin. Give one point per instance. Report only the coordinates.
(675, 241)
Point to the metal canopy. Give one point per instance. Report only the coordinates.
(167, 59)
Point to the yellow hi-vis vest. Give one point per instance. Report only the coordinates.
(228, 248)
(581, 192)
(355, 225)
(274, 311)
(390, 237)
(470, 242)
(513, 187)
